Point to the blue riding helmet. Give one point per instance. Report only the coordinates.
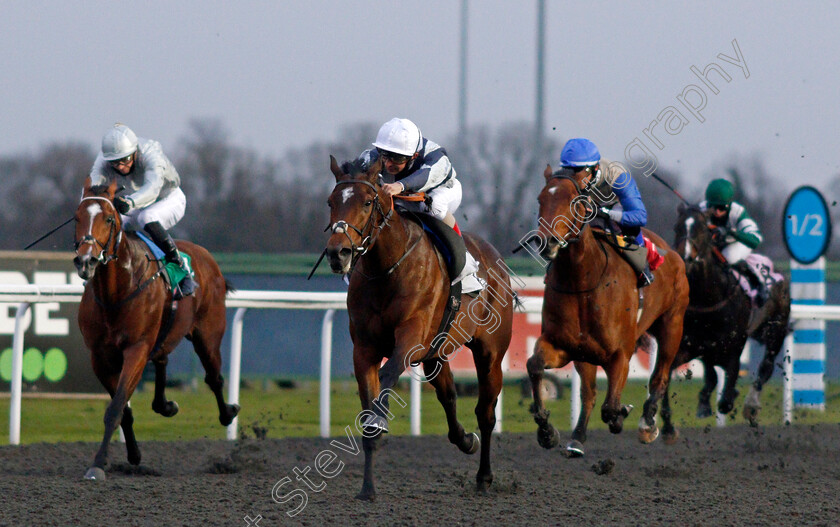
(579, 152)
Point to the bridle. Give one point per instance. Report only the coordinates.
(88, 239)
(370, 231)
(564, 243)
(717, 258)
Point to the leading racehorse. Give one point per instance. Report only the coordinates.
(593, 314)
(399, 287)
(127, 316)
(720, 317)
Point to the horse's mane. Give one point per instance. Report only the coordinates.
(355, 166)
(97, 190)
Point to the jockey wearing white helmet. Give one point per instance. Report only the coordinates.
(412, 163)
(154, 202)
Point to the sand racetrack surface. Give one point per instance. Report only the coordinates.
(730, 476)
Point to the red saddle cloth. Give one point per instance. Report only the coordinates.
(653, 257)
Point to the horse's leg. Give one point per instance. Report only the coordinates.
(109, 379)
(588, 389)
(488, 367)
(733, 367)
(612, 411)
(772, 334)
(545, 356)
(207, 345)
(445, 389)
(160, 404)
(134, 360)
(668, 331)
(704, 405)
(367, 378)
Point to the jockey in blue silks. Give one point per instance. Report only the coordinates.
(615, 192)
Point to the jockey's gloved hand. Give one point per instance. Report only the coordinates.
(614, 215)
(123, 204)
(602, 212)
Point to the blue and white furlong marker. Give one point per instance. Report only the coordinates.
(808, 288)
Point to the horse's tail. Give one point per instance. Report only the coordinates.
(229, 288)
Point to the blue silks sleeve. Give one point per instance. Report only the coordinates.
(634, 213)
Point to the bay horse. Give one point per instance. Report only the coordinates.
(592, 313)
(398, 289)
(127, 316)
(720, 318)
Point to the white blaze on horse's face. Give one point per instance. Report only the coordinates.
(689, 223)
(93, 209)
(346, 194)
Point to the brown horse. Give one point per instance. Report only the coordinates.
(398, 291)
(127, 316)
(592, 313)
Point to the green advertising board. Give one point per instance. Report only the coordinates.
(55, 358)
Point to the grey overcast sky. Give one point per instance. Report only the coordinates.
(285, 73)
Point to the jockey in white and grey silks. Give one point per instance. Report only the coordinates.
(153, 201)
(412, 163)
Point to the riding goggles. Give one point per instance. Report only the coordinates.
(122, 161)
(396, 158)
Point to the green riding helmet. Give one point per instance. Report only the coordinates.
(720, 192)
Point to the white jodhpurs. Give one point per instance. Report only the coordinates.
(735, 252)
(167, 212)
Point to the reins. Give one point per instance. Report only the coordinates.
(564, 243)
(369, 239)
(104, 258)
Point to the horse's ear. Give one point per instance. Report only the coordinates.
(88, 184)
(547, 172)
(112, 188)
(336, 170)
(681, 208)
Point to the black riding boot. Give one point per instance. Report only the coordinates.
(637, 258)
(187, 286)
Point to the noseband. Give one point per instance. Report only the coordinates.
(103, 257)
(581, 192)
(373, 230)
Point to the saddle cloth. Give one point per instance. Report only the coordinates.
(174, 273)
(762, 268)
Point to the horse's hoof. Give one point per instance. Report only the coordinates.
(574, 449)
(134, 457)
(232, 410)
(366, 495)
(470, 446)
(751, 415)
(703, 411)
(95, 474)
(626, 409)
(548, 437)
(672, 437)
(168, 410)
(648, 435)
(483, 481)
(373, 426)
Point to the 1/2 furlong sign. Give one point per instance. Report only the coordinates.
(55, 358)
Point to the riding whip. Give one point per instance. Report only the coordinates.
(672, 189)
(317, 264)
(47, 234)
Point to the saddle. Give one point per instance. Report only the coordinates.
(763, 273)
(173, 274)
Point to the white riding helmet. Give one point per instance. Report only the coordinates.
(118, 142)
(400, 136)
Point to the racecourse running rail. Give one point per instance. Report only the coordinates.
(24, 295)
